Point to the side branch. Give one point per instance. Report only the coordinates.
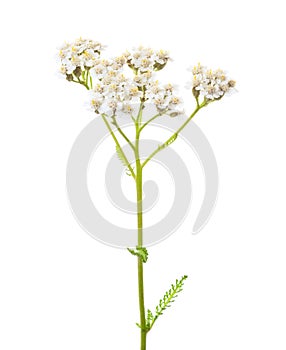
(119, 147)
(173, 137)
(149, 121)
(114, 122)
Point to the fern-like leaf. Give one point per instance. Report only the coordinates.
(168, 298)
(128, 172)
(123, 160)
(172, 139)
(149, 319)
(121, 156)
(141, 252)
(169, 142)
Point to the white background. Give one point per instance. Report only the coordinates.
(61, 290)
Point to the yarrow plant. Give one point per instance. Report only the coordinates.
(123, 86)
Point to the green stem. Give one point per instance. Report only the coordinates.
(109, 128)
(170, 139)
(118, 145)
(141, 305)
(140, 233)
(114, 121)
(149, 121)
(82, 83)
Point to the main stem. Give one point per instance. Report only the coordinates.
(140, 241)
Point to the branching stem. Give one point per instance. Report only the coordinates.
(114, 121)
(173, 137)
(118, 145)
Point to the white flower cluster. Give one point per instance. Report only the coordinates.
(115, 92)
(79, 55)
(145, 59)
(211, 84)
(163, 98)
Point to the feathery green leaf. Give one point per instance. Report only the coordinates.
(168, 298)
(120, 156)
(123, 161)
(172, 139)
(141, 252)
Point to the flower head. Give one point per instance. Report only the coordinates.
(144, 59)
(210, 84)
(120, 91)
(78, 56)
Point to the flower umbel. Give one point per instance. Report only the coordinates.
(210, 84)
(116, 86)
(78, 57)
